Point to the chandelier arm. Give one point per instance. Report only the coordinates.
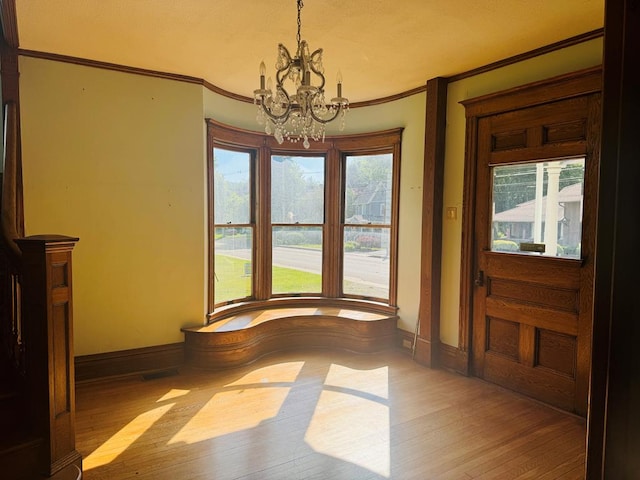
(286, 52)
(281, 73)
(326, 120)
(280, 76)
(277, 118)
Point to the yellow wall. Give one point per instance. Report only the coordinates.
(567, 60)
(118, 161)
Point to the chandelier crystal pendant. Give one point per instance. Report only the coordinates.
(304, 114)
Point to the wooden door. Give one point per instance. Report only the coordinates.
(532, 297)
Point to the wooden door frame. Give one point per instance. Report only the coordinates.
(563, 87)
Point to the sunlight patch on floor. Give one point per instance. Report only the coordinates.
(126, 436)
(232, 411)
(173, 393)
(374, 382)
(245, 403)
(280, 372)
(353, 424)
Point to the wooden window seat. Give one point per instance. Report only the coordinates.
(240, 334)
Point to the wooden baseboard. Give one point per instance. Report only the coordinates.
(448, 357)
(137, 361)
(161, 358)
(454, 359)
(423, 348)
(404, 341)
(427, 353)
(423, 352)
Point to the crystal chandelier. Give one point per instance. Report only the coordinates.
(305, 113)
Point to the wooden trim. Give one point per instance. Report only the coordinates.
(211, 229)
(614, 438)
(352, 143)
(454, 359)
(467, 258)
(129, 362)
(390, 98)
(569, 42)
(9, 23)
(332, 245)
(395, 221)
(263, 273)
(12, 191)
(432, 204)
(85, 62)
(562, 87)
(293, 302)
(404, 340)
(226, 93)
(449, 357)
(366, 103)
(334, 149)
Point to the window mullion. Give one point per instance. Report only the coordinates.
(395, 217)
(262, 273)
(331, 273)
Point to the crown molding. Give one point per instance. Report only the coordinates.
(568, 42)
(7, 5)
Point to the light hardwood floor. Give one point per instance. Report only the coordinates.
(322, 415)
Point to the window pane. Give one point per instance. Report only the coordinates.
(297, 189)
(231, 186)
(366, 262)
(537, 208)
(297, 260)
(233, 263)
(368, 189)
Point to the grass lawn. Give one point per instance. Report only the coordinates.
(233, 280)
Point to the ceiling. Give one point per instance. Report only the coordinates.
(382, 47)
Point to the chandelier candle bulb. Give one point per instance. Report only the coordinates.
(339, 83)
(263, 71)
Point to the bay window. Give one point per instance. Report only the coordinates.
(285, 221)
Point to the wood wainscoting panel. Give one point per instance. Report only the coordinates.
(556, 352)
(503, 337)
(508, 140)
(558, 298)
(564, 132)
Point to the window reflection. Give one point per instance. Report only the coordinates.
(537, 208)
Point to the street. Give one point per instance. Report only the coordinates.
(360, 267)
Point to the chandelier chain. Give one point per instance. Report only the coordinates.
(300, 5)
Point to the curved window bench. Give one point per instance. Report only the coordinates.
(241, 333)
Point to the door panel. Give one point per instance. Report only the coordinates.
(532, 314)
(527, 324)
